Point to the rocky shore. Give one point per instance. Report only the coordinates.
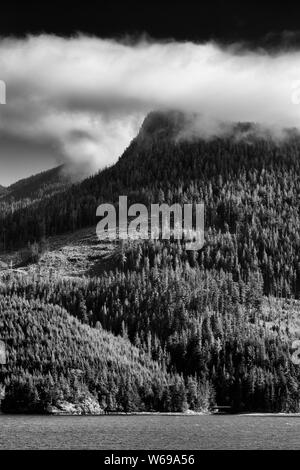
(87, 407)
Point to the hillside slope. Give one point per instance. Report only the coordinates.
(249, 190)
(38, 186)
(223, 317)
(72, 254)
(51, 358)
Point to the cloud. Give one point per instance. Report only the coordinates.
(86, 97)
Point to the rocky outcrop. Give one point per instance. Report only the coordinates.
(88, 406)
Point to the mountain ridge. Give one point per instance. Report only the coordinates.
(208, 315)
(37, 185)
(157, 126)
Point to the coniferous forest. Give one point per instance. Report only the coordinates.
(165, 329)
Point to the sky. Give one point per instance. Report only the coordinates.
(80, 80)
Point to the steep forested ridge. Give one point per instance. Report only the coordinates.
(250, 190)
(203, 314)
(38, 186)
(53, 358)
(26, 194)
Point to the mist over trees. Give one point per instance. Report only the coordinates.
(197, 320)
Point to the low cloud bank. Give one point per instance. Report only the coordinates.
(85, 98)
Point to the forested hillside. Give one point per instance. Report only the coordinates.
(250, 191)
(38, 186)
(202, 314)
(53, 358)
(199, 323)
(27, 193)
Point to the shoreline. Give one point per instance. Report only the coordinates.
(149, 413)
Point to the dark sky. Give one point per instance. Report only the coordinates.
(259, 22)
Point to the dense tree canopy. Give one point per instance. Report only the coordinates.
(197, 319)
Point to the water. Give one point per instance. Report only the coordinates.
(150, 432)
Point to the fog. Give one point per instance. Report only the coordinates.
(83, 99)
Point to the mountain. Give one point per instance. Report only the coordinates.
(223, 318)
(36, 187)
(67, 362)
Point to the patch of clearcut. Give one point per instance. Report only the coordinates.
(73, 254)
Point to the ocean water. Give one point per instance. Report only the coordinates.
(150, 432)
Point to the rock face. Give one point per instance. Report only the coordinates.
(88, 406)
